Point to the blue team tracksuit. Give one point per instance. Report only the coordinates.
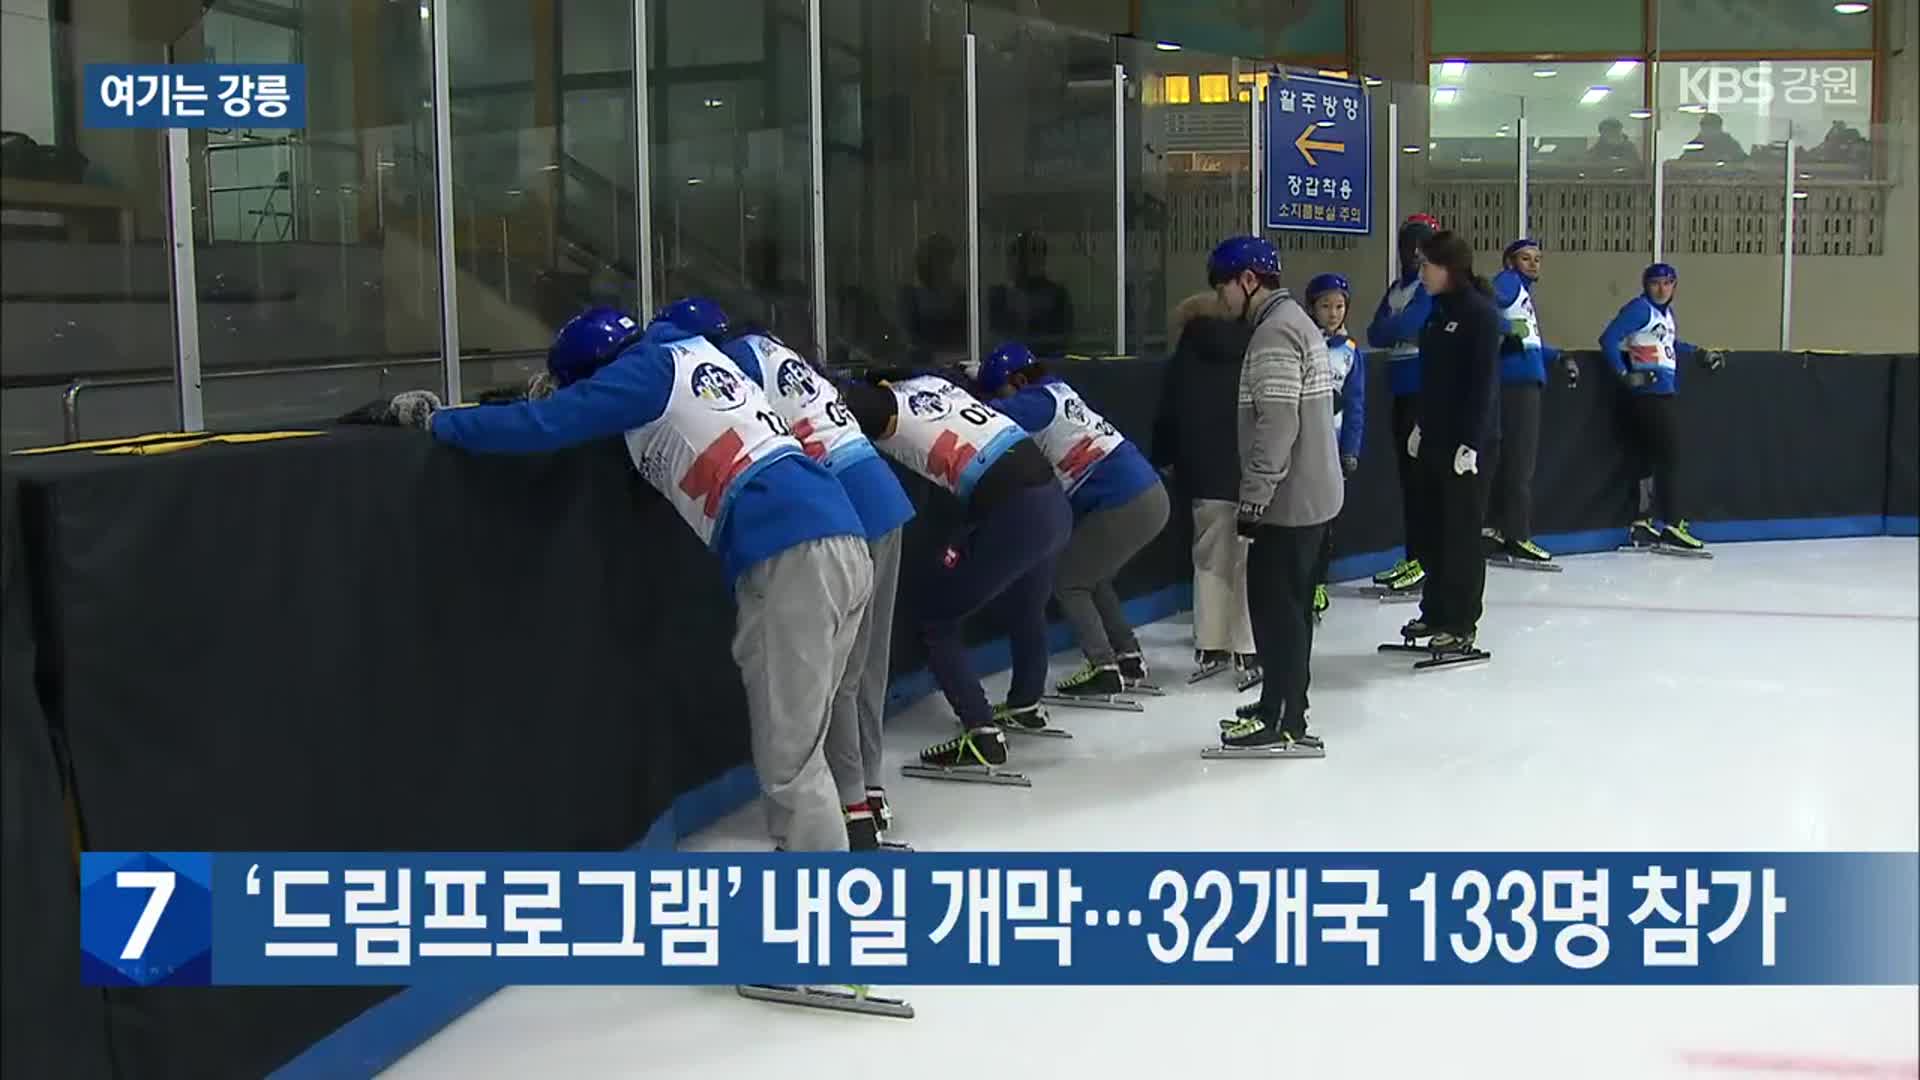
(1396, 327)
(1644, 338)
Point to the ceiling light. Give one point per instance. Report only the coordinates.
(713, 103)
(1595, 94)
(1696, 109)
(1851, 8)
(1622, 68)
(1641, 114)
(1544, 73)
(1799, 194)
(1692, 146)
(1371, 81)
(1167, 46)
(693, 181)
(1409, 149)
(1453, 69)
(1445, 95)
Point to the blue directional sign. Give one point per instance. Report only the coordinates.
(1319, 155)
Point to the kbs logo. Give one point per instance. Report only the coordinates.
(795, 380)
(717, 386)
(928, 405)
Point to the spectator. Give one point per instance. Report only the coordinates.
(1713, 141)
(1613, 144)
(934, 308)
(1031, 307)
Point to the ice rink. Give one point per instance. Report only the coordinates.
(1764, 700)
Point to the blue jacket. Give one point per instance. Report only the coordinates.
(1519, 364)
(1388, 330)
(1636, 314)
(869, 482)
(785, 503)
(1116, 481)
(1352, 404)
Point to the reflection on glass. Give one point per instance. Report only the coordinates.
(730, 159)
(1047, 258)
(894, 111)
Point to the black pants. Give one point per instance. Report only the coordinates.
(1413, 507)
(1456, 567)
(1281, 567)
(1659, 439)
(1510, 496)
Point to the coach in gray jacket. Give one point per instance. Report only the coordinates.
(1290, 483)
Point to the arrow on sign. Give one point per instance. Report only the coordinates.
(1307, 144)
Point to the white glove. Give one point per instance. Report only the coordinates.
(1413, 442)
(1465, 460)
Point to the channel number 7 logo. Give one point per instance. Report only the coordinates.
(146, 918)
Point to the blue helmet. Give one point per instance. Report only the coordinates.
(1240, 253)
(1657, 271)
(1519, 245)
(587, 342)
(1002, 363)
(1323, 284)
(696, 315)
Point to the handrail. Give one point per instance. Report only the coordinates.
(70, 398)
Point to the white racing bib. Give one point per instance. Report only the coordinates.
(1651, 346)
(1398, 297)
(1522, 309)
(810, 406)
(1077, 439)
(942, 433)
(717, 430)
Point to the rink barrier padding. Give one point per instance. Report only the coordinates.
(363, 641)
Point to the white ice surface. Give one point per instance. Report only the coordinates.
(1765, 700)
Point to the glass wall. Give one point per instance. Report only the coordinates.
(894, 108)
(1048, 253)
(315, 247)
(83, 262)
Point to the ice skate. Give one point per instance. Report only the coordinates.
(1247, 672)
(1208, 663)
(1256, 738)
(1249, 711)
(1523, 555)
(863, 830)
(1093, 687)
(853, 999)
(1406, 583)
(882, 810)
(1677, 539)
(1027, 720)
(1385, 577)
(1452, 650)
(1641, 536)
(1134, 675)
(1321, 602)
(1410, 636)
(975, 756)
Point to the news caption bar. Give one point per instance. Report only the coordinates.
(240, 919)
(229, 96)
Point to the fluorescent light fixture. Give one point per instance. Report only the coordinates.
(1595, 95)
(515, 191)
(1848, 8)
(552, 166)
(1545, 73)
(1641, 114)
(1445, 95)
(1167, 46)
(1453, 69)
(1622, 68)
(1696, 109)
(713, 103)
(1692, 146)
(425, 13)
(1410, 149)
(1548, 148)
(1371, 81)
(694, 181)
(1799, 194)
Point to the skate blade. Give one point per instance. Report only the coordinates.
(967, 774)
(1680, 552)
(1038, 733)
(897, 846)
(1263, 753)
(1524, 564)
(1453, 659)
(1202, 674)
(831, 999)
(1113, 703)
(1247, 682)
(1145, 689)
(1404, 647)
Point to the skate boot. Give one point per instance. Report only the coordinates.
(1095, 686)
(1385, 577)
(1410, 580)
(1134, 675)
(1246, 669)
(1209, 662)
(1451, 648)
(882, 812)
(1492, 543)
(976, 755)
(1025, 720)
(863, 830)
(1321, 602)
(1677, 535)
(1642, 533)
(1256, 737)
(1249, 711)
(1410, 636)
(1527, 551)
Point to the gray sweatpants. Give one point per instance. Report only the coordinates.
(853, 735)
(1102, 543)
(798, 614)
(1220, 620)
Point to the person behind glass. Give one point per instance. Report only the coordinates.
(933, 310)
(788, 539)
(1195, 440)
(1290, 485)
(1119, 506)
(1327, 296)
(1459, 419)
(1031, 306)
(1524, 357)
(1396, 327)
(1017, 521)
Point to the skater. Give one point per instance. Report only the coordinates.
(1641, 344)
(1396, 327)
(1327, 296)
(1119, 506)
(1194, 438)
(1459, 420)
(789, 541)
(807, 402)
(1524, 356)
(1290, 486)
(1017, 521)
